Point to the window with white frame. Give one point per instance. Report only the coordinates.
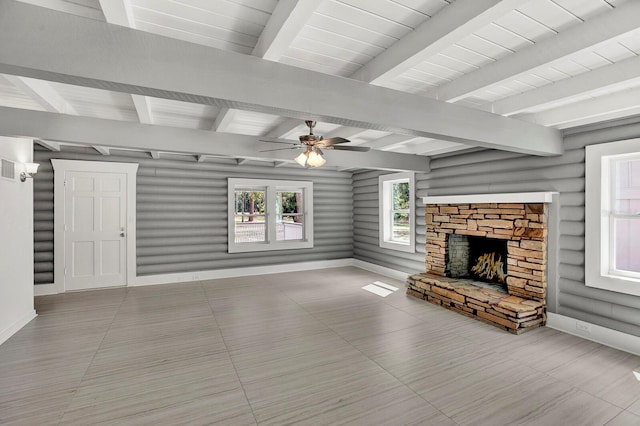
(397, 205)
(612, 203)
(269, 215)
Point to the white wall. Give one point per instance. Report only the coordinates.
(16, 241)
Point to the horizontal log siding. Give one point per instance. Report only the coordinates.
(498, 172)
(366, 226)
(182, 212)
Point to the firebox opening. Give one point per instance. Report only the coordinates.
(480, 259)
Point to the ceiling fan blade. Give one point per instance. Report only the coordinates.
(333, 141)
(279, 141)
(349, 148)
(280, 149)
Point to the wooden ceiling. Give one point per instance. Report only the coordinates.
(469, 67)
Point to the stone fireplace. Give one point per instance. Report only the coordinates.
(487, 260)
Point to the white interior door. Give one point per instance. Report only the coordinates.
(95, 230)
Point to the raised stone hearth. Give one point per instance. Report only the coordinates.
(514, 314)
(518, 304)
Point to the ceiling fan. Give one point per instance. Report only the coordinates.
(313, 155)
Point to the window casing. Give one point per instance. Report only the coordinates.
(612, 216)
(269, 215)
(397, 211)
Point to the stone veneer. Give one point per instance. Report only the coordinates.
(524, 225)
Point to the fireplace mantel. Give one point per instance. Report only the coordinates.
(515, 197)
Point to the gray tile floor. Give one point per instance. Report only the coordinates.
(298, 348)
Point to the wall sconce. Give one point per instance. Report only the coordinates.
(30, 170)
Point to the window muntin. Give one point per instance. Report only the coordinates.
(269, 215)
(397, 211)
(612, 222)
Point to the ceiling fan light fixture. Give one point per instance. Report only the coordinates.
(315, 158)
(302, 158)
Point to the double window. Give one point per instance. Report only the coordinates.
(397, 206)
(613, 216)
(269, 215)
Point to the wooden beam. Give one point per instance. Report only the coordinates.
(145, 137)
(223, 120)
(280, 163)
(61, 47)
(286, 21)
(587, 35)
(241, 161)
(118, 12)
(51, 146)
(155, 155)
(145, 116)
(445, 28)
(102, 149)
(201, 158)
(609, 75)
(284, 128)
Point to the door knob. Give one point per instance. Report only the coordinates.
(122, 234)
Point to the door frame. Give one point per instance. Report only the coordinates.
(61, 167)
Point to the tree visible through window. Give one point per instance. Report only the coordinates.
(400, 212)
(397, 211)
(269, 215)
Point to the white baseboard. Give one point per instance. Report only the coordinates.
(606, 336)
(44, 289)
(240, 272)
(387, 272)
(17, 325)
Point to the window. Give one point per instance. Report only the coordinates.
(613, 216)
(269, 215)
(397, 204)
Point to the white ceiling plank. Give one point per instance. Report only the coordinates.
(287, 19)
(449, 25)
(63, 48)
(103, 150)
(143, 109)
(587, 35)
(155, 155)
(130, 135)
(42, 93)
(600, 78)
(118, 12)
(223, 120)
(616, 105)
(390, 140)
(51, 146)
(68, 7)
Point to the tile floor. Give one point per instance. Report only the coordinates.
(298, 348)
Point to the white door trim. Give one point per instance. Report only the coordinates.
(61, 167)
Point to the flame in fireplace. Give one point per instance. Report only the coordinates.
(490, 268)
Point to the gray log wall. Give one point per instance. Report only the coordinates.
(182, 212)
(498, 172)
